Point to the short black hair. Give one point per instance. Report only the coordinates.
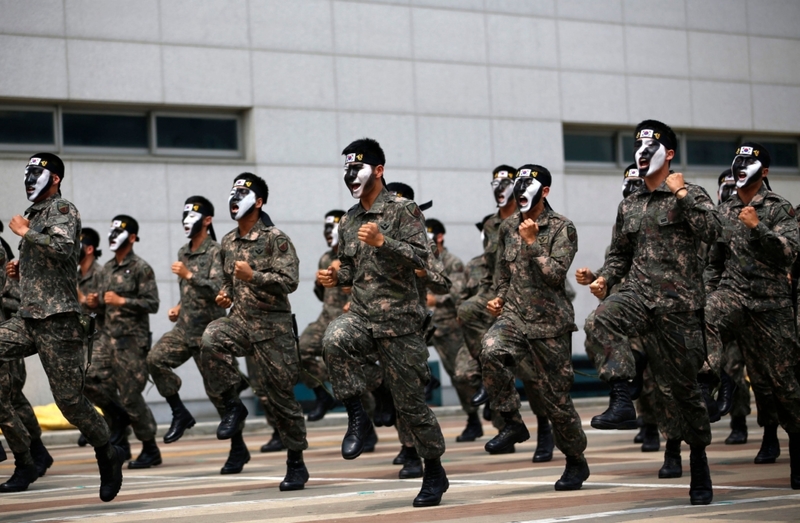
(435, 226)
(51, 162)
(401, 189)
(336, 213)
(259, 186)
(205, 205)
(668, 137)
(90, 237)
(369, 146)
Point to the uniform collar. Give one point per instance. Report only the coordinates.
(43, 204)
(125, 261)
(93, 268)
(377, 206)
(253, 234)
(758, 199)
(201, 249)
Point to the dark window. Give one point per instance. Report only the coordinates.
(628, 152)
(26, 127)
(590, 148)
(104, 130)
(197, 133)
(783, 154)
(710, 152)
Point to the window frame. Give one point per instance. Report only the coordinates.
(210, 153)
(54, 147)
(99, 149)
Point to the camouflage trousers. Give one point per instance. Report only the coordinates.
(58, 340)
(129, 368)
(613, 361)
(17, 419)
(475, 321)
(100, 387)
(768, 342)
(646, 405)
(467, 376)
(447, 340)
(170, 352)
(350, 345)
(314, 373)
(276, 363)
(675, 357)
(549, 361)
(733, 365)
(257, 385)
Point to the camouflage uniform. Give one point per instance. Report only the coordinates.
(259, 326)
(198, 309)
(536, 324)
(48, 322)
(655, 246)
(314, 373)
(752, 303)
(128, 335)
(385, 315)
(468, 373)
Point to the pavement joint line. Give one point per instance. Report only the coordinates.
(632, 511)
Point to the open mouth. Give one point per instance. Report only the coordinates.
(501, 199)
(742, 175)
(523, 201)
(355, 187)
(234, 209)
(30, 190)
(643, 163)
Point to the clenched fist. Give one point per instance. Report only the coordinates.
(173, 313)
(749, 217)
(529, 230)
(584, 276)
(92, 300)
(369, 234)
(675, 183)
(19, 225)
(181, 270)
(243, 271)
(495, 306)
(113, 299)
(12, 269)
(223, 300)
(599, 288)
(328, 277)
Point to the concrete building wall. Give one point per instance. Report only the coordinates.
(451, 88)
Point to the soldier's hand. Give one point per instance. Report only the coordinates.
(113, 299)
(529, 230)
(19, 225)
(749, 217)
(599, 288)
(243, 271)
(430, 301)
(369, 234)
(181, 270)
(675, 183)
(336, 264)
(421, 273)
(346, 307)
(328, 277)
(495, 306)
(92, 300)
(12, 269)
(584, 276)
(173, 313)
(223, 300)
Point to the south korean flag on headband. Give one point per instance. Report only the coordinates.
(646, 133)
(117, 224)
(35, 161)
(502, 174)
(745, 150)
(189, 207)
(632, 173)
(330, 219)
(239, 183)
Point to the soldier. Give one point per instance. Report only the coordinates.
(128, 295)
(314, 373)
(383, 242)
(752, 302)
(48, 320)
(260, 270)
(657, 236)
(100, 387)
(535, 249)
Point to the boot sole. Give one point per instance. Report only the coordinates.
(179, 435)
(670, 475)
(225, 472)
(542, 459)
(134, 465)
(433, 502)
(624, 425)
(766, 461)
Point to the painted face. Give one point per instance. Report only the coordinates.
(746, 170)
(527, 192)
(241, 202)
(503, 191)
(192, 221)
(649, 155)
(358, 176)
(632, 183)
(331, 231)
(117, 236)
(37, 181)
(83, 253)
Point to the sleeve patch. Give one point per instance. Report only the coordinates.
(282, 243)
(571, 233)
(63, 208)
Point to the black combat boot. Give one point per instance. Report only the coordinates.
(794, 459)
(403, 456)
(434, 484)
(672, 460)
(576, 472)
(109, 461)
(473, 430)
(621, 414)
(637, 384)
(700, 492)
(237, 457)
(412, 468)
(544, 440)
(24, 474)
(770, 446)
(182, 419)
(738, 435)
(296, 472)
(233, 419)
(727, 388)
(149, 457)
(652, 441)
(274, 444)
(125, 445)
(325, 402)
(639, 437)
(119, 421)
(480, 397)
(512, 432)
(370, 441)
(385, 414)
(711, 403)
(41, 457)
(487, 412)
(358, 427)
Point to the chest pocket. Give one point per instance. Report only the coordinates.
(511, 250)
(199, 265)
(670, 217)
(124, 283)
(632, 225)
(259, 255)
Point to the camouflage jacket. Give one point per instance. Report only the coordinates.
(383, 280)
(134, 280)
(90, 283)
(198, 294)
(435, 280)
(530, 278)
(333, 298)
(491, 235)
(263, 302)
(10, 297)
(3, 279)
(48, 255)
(474, 272)
(754, 263)
(446, 303)
(655, 245)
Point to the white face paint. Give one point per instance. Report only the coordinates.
(240, 204)
(37, 180)
(116, 236)
(746, 170)
(430, 236)
(335, 236)
(650, 156)
(192, 217)
(356, 177)
(526, 199)
(503, 189)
